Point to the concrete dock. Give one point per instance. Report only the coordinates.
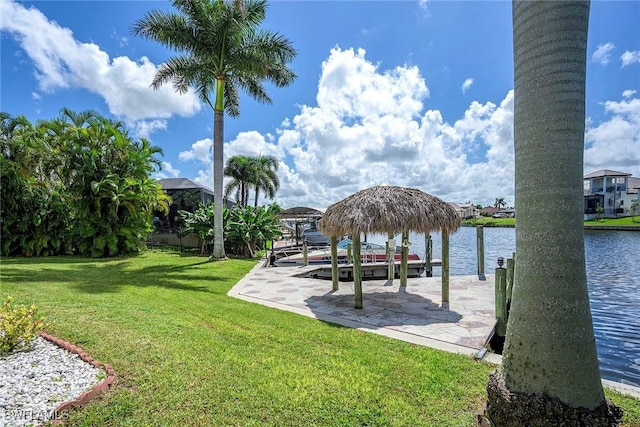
(413, 313)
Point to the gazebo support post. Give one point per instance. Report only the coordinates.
(334, 262)
(405, 255)
(391, 256)
(357, 270)
(428, 246)
(445, 267)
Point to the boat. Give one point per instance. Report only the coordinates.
(369, 253)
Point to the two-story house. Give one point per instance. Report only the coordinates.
(465, 210)
(614, 191)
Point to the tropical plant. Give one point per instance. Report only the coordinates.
(549, 373)
(201, 223)
(248, 172)
(76, 184)
(33, 204)
(222, 51)
(599, 211)
(18, 326)
(633, 209)
(499, 203)
(248, 229)
(240, 169)
(265, 177)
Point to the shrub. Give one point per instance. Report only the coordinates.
(18, 326)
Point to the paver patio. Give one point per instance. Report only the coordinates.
(413, 313)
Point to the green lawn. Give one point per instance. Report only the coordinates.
(186, 354)
(490, 222)
(615, 221)
(509, 222)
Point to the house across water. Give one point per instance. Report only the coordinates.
(614, 191)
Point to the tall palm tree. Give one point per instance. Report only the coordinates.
(222, 51)
(240, 169)
(499, 203)
(549, 373)
(265, 177)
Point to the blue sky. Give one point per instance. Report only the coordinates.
(403, 92)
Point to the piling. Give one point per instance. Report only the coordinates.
(445, 267)
(349, 253)
(480, 245)
(305, 254)
(511, 264)
(501, 301)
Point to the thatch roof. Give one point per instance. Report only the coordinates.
(385, 209)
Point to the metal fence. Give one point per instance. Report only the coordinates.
(172, 238)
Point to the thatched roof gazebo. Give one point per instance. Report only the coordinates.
(388, 209)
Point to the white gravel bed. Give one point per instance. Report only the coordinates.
(35, 382)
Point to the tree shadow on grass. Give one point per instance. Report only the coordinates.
(95, 276)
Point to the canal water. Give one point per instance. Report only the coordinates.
(613, 279)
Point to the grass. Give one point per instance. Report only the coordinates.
(186, 354)
(488, 221)
(627, 220)
(510, 222)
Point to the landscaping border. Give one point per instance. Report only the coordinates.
(61, 411)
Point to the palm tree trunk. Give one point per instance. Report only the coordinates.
(255, 201)
(550, 366)
(218, 166)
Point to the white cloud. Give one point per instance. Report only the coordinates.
(466, 85)
(122, 40)
(603, 53)
(63, 62)
(200, 152)
(144, 128)
(360, 137)
(350, 86)
(630, 57)
(424, 5)
(628, 93)
(615, 143)
(168, 171)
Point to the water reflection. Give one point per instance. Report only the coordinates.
(613, 278)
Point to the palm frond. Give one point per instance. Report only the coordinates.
(232, 96)
(168, 29)
(254, 87)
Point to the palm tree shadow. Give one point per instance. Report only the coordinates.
(382, 309)
(106, 276)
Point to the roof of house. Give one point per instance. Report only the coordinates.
(488, 209)
(605, 172)
(462, 205)
(633, 185)
(182, 184)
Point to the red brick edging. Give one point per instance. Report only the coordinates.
(61, 412)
